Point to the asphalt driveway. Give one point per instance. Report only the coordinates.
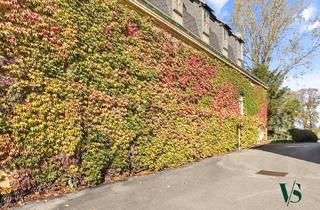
(225, 182)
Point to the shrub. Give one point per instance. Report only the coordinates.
(303, 135)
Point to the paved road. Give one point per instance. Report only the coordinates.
(225, 182)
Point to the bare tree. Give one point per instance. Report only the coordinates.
(310, 100)
(272, 33)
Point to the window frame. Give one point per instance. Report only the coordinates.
(177, 11)
(241, 50)
(177, 6)
(225, 35)
(206, 21)
(241, 104)
(225, 41)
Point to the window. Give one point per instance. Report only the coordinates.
(177, 7)
(240, 53)
(225, 35)
(240, 50)
(206, 17)
(205, 25)
(225, 41)
(241, 106)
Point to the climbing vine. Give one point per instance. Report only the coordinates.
(90, 89)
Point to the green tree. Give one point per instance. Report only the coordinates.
(310, 100)
(283, 105)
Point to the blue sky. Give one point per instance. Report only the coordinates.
(301, 77)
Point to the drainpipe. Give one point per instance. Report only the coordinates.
(239, 138)
(239, 126)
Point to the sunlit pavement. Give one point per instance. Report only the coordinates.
(225, 182)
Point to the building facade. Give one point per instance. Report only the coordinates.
(118, 87)
(194, 23)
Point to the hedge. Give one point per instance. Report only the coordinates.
(303, 135)
(91, 89)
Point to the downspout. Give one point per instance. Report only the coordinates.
(239, 137)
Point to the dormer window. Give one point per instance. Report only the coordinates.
(177, 7)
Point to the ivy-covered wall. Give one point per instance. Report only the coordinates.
(90, 89)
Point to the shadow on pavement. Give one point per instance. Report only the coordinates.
(303, 151)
